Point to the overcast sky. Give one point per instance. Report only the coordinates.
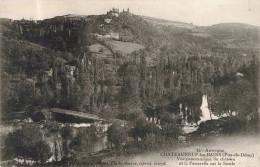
(198, 12)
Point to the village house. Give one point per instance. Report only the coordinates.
(114, 35)
(58, 86)
(50, 72)
(61, 63)
(46, 75)
(72, 70)
(108, 20)
(107, 36)
(99, 36)
(239, 74)
(114, 12)
(111, 35)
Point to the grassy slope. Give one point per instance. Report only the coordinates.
(158, 21)
(124, 47)
(236, 35)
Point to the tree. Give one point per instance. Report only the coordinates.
(167, 118)
(27, 143)
(66, 135)
(53, 130)
(22, 96)
(75, 101)
(142, 128)
(129, 101)
(138, 130)
(42, 151)
(150, 113)
(79, 142)
(87, 90)
(239, 97)
(130, 88)
(151, 128)
(47, 96)
(171, 130)
(116, 136)
(64, 93)
(92, 136)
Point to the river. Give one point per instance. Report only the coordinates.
(206, 115)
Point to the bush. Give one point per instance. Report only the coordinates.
(233, 125)
(27, 143)
(171, 131)
(225, 125)
(66, 134)
(80, 141)
(37, 117)
(208, 126)
(42, 151)
(116, 136)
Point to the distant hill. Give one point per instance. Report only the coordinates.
(235, 25)
(233, 35)
(236, 34)
(232, 29)
(168, 22)
(82, 63)
(73, 16)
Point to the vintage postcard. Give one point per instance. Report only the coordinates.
(130, 83)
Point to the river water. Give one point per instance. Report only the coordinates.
(205, 110)
(206, 115)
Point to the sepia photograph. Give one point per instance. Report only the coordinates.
(130, 83)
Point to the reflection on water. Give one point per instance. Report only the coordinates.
(100, 143)
(189, 129)
(206, 115)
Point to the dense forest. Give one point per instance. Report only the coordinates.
(49, 64)
(185, 65)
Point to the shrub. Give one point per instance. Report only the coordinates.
(233, 125)
(42, 151)
(27, 143)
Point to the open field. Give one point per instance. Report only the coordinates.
(98, 48)
(100, 51)
(124, 47)
(158, 21)
(200, 34)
